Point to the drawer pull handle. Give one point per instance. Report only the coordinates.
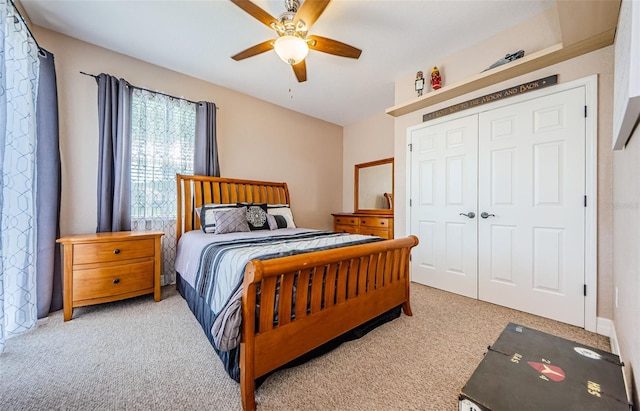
(364, 221)
(381, 222)
(116, 280)
(116, 251)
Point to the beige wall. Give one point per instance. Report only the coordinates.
(468, 61)
(367, 140)
(626, 256)
(256, 140)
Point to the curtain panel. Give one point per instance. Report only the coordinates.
(205, 161)
(19, 67)
(49, 262)
(114, 157)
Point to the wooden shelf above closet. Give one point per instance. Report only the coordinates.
(597, 30)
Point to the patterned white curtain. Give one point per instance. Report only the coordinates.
(162, 145)
(19, 68)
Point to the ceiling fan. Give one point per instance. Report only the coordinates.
(293, 43)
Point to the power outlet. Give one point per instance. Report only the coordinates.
(616, 297)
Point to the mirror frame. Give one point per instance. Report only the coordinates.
(357, 184)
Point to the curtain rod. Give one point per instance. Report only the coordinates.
(153, 91)
(41, 51)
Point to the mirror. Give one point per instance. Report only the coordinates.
(374, 187)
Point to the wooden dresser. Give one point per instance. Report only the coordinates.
(104, 267)
(364, 223)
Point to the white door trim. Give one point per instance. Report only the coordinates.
(590, 85)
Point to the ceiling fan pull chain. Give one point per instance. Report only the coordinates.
(290, 92)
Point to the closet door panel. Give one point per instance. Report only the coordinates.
(531, 184)
(444, 186)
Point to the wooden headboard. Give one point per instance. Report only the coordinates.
(194, 191)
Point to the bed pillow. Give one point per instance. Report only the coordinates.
(207, 215)
(276, 221)
(256, 215)
(283, 211)
(231, 221)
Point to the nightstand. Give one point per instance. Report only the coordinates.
(104, 267)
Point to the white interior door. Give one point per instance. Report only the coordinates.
(532, 185)
(444, 187)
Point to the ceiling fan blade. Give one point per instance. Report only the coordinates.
(301, 71)
(255, 11)
(309, 12)
(334, 47)
(255, 50)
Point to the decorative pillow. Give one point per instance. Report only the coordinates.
(256, 215)
(276, 221)
(207, 215)
(273, 225)
(285, 212)
(231, 221)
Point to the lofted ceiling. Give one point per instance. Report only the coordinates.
(199, 37)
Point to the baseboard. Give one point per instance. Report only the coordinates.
(604, 327)
(613, 339)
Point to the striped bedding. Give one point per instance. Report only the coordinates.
(219, 276)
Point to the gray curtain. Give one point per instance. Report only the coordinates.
(48, 265)
(205, 158)
(114, 160)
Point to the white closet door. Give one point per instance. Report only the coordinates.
(532, 185)
(444, 186)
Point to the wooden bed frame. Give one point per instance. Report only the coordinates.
(368, 280)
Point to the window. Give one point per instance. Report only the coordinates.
(162, 144)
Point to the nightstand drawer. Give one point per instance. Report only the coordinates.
(374, 222)
(112, 251)
(111, 281)
(346, 221)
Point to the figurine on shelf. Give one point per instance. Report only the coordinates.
(419, 83)
(436, 80)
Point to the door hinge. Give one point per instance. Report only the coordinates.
(411, 147)
(410, 257)
(585, 289)
(585, 111)
(585, 201)
(410, 202)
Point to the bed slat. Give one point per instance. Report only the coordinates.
(302, 290)
(341, 288)
(267, 303)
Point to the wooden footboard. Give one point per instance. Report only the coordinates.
(309, 299)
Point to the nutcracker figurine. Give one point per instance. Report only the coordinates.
(436, 80)
(419, 83)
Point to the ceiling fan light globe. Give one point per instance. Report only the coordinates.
(291, 49)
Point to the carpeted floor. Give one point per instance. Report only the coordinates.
(141, 355)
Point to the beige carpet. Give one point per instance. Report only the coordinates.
(141, 355)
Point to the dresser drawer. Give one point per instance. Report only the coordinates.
(386, 234)
(374, 222)
(345, 221)
(111, 281)
(346, 229)
(112, 251)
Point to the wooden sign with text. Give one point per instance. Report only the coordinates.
(489, 98)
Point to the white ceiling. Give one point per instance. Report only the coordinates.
(198, 37)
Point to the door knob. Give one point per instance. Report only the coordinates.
(484, 214)
(470, 214)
